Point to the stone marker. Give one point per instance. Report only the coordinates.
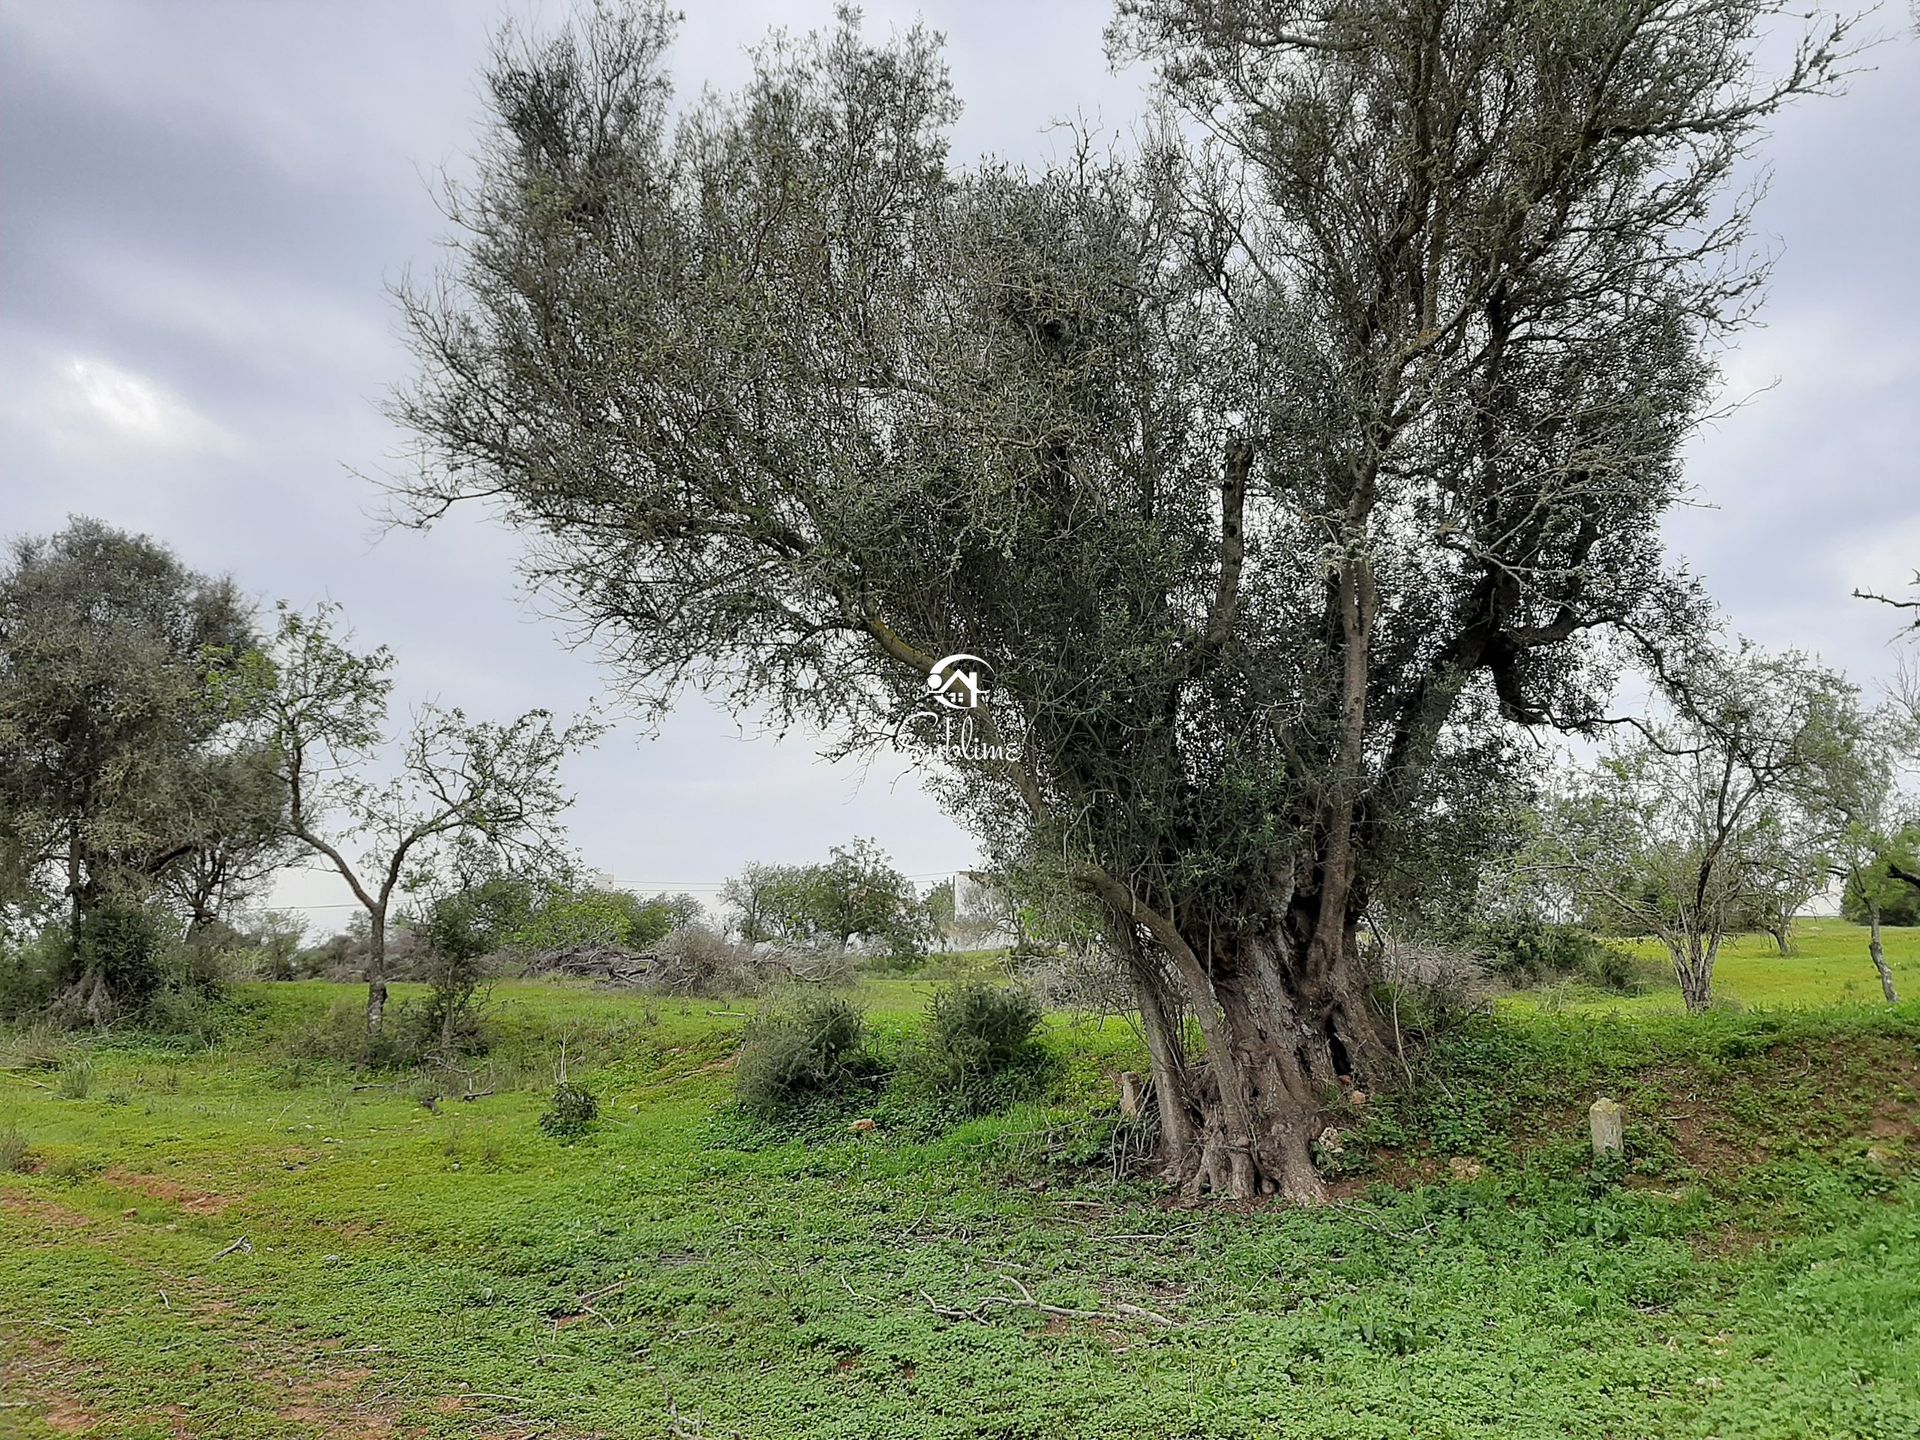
(1608, 1120)
(1133, 1100)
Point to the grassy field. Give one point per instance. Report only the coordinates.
(225, 1240)
(1828, 966)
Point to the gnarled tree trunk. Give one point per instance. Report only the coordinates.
(1286, 1023)
(1693, 960)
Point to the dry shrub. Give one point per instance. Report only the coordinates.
(1430, 988)
(695, 960)
(1089, 979)
(811, 1051)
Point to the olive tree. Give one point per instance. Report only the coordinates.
(124, 771)
(1863, 819)
(457, 786)
(1682, 829)
(1272, 474)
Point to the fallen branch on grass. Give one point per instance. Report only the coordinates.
(1119, 1311)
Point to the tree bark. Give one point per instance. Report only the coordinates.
(1172, 1101)
(1282, 1035)
(1879, 954)
(377, 971)
(1693, 960)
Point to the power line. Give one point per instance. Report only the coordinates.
(654, 886)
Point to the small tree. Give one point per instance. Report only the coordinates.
(860, 894)
(748, 898)
(1852, 792)
(458, 782)
(1673, 834)
(856, 894)
(121, 771)
(1788, 868)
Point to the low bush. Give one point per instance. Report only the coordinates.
(1525, 952)
(16, 1156)
(793, 1056)
(449, 1022)
(117, 956)
(980, 1046)
(1429, 990)
(30, 973)
(572, 1112)
(1614, 969)
(186, 1012)
(695, 960)
(340, 1034)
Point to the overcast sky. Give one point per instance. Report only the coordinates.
(202, 205)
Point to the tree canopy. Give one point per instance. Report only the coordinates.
(124, 769)
(1273, 473)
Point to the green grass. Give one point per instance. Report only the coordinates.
(451, 1271)
(1828, 966)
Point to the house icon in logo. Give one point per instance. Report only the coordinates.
(959, 681)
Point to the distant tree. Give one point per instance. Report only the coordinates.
(1787, 869)
(1867, 833)
(855, 894)
(236, 837)
(941, 912)
(1271, 472)
(1673, 833)
(748, 899)
(679, 910)
(858, 893)
(458, 782)
(593, 917)
(274, 937)
(1880, 891)
(119, 772)
(481, 917)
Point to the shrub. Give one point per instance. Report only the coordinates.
(115, 959)
(571, 1113)
(976, 1035)
(75, 1080)
(16, 1156)
(186, 1011)
(793, 1056)
(448, 1023)
(695, 960)
(341, 1034)
(30, 973)
(1430, 990)
(1525, 952)
(1614, 969)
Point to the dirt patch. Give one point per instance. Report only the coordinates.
(48, 1212)
(324, 1400)
(158, 1187)
(67, 1417)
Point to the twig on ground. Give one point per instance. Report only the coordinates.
(1119, 1310)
